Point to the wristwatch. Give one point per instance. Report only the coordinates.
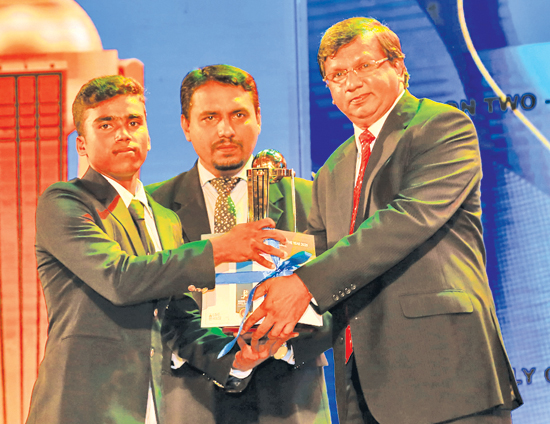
(281, 353)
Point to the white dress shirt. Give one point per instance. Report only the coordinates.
(127, 197)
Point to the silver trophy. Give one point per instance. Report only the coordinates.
(268, 167)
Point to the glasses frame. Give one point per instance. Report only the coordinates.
(345, 72)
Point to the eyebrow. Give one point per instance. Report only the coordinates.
(208, 112)
(112, 118)
(104, 118)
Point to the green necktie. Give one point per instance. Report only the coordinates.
(138, 214)
(137, 211)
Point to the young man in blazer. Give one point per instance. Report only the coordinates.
(221, 118)
(404, 266)
(104, 270)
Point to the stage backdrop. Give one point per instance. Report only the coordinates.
(277, 42)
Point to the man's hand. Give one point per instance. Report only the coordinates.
(245, 243)
(254, 354)
(287, 298)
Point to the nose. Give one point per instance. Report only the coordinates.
(353, 81)
(225, 129)
(122, 133)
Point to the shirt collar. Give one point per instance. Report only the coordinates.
(377, 126)
(126, 196)
(205, 175)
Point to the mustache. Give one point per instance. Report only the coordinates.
(225, 141)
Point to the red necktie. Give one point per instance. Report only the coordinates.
(366, 138)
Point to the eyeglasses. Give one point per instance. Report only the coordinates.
(362, 70)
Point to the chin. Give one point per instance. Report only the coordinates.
(229, 166)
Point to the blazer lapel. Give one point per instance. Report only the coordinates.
(343, 180)
(275, 196)
(168, 230)
(190, 206)
(385, 145)
(114, 205)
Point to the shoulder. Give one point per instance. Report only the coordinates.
(162, 212)
(65, 189)
(302, 187)
(164, 192)
(337, 155)
(432, 111)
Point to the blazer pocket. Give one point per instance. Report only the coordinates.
(428, 304)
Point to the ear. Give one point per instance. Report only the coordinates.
(259, 119)
(399, 66)
(81, 145)
(185, 127)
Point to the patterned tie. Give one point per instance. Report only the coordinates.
(138, 214)
(225, 214)
(366, 138)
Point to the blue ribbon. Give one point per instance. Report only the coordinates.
(283, 268)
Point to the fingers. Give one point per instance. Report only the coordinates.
(261, 290)
(266, 222)
(263, 328)
(241, 342)
(257, 315)
(270, 250)
(274, 345)
(261, 260)
(273, 234)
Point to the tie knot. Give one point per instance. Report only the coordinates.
(366, 138)
(224, 185)
(136, 209)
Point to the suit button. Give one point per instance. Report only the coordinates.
(341, 340)
(335, 297)
(152, 353)
(156, 312)
(353, 286)
(347, 290)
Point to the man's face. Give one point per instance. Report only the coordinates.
(115, 137)
(366, 99)
(223, 127)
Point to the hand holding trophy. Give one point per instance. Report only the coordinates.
(231, 301)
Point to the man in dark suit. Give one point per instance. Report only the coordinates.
(106, 253)
(397, 208)
(221, 117)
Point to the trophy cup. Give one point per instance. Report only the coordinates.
(268, 167)
(225, 306)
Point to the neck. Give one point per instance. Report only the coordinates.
(129, 183)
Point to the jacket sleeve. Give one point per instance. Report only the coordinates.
(183, 334)
(442, 169)
(69, 230)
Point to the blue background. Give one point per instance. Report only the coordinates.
(277, 43)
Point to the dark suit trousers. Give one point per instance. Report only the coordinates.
(358, 411)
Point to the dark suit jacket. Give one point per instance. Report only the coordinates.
(278, 392)
(100, 291)
(411, 280)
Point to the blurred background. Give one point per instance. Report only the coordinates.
(48, 49)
